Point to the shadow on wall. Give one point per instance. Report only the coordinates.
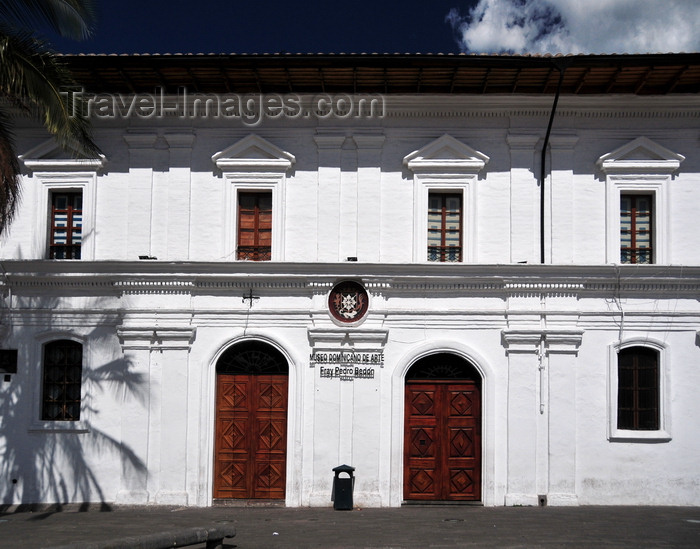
(65, 466)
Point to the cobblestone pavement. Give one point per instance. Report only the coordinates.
(410, 526)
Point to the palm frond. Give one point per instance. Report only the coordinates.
(69, 18)
(9, 175)
(31, 75)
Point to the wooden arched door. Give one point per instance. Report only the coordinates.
(442, 437)
(250, 450)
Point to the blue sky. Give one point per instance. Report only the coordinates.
(408, 26)
(184, 26)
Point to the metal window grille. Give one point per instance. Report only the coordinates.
(445, 227)
(636, 226)
(63, 370)
(638, 389)
(66, 225)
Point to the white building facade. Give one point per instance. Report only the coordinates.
(226, 308)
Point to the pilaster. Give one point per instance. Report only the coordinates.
(523, 352)
(347, 409)
(562, 197)
(369, 174)
(329, 176)
(561, 350)
(164, 353)
(524, 199)
(179, 196)
(541, 416)
(140, 193)
(349, 201)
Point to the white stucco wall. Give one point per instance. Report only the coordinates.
(540, 336)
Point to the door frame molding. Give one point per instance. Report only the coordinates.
(205, 462)
(488, 428)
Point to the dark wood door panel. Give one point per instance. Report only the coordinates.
(251, 436)
(422, 441)
(422, 483)
(442, 453)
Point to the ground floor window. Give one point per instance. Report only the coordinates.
(638, 397)
(638, 389)
(62, 378)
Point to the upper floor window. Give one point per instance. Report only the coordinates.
(445, 174)
(444, 227)
(255, 173)
(62, 378)
(66, 231)
(255, 226)
(65, 203)
(637, 217)
(636, 228)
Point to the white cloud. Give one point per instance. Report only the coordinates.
(579, 26)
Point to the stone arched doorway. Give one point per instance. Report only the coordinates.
(442, 436)
(250, 446)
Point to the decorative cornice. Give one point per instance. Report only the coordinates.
(563, 341)
(332, 142)
(521, 341)
(336, 336)
(522, 141)
(179, 140)
(369, 142)
(156, 337)
(154, 286)
(553, 341)
(140, 140)
(563, 141)
(129, 277)
(524, 106)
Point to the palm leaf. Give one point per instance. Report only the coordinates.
(33, 77)
(69, 18)
(9, 175)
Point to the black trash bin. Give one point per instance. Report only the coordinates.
(342, 487)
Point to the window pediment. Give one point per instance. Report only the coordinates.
(446, 154)
(640, 156)
(50, 157)
(253, 153)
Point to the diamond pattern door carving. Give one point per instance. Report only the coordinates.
(251, 436)
(442, 457)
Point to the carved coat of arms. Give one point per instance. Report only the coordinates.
(348, 301)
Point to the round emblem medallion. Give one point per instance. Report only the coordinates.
(348, 301)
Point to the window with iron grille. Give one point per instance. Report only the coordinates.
(638, 389)
(636, 218)
(66, 232)
(255, 226)
(63, 370)
(444, 227)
